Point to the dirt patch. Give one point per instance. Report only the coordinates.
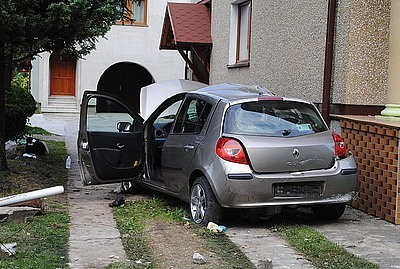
(154, 229)
(174, 245)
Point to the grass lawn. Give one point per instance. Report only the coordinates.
(32, 130)
(318, 250)
(42, 241)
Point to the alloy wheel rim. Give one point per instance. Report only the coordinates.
(198, 203)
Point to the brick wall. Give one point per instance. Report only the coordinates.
(376, 151)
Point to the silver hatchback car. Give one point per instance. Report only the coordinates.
(223, 146)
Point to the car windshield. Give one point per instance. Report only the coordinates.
(273, 118)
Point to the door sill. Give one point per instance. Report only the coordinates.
(154, 185)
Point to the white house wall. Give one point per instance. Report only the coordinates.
(40, 79)
(123, 43)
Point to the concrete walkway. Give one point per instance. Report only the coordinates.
(371, 238)
(261, 244)
(365, 236)
(94, 239)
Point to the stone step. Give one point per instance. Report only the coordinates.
(62, 100)
(66, 104)
(61, 104)
(59, 109)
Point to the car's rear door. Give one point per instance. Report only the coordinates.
(110, 140)
(182, 142)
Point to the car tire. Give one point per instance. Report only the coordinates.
(329, 211)
(204, 207)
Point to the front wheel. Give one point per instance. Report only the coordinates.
(329, 211)
(203, 204)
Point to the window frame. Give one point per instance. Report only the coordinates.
(105, 123)
(236, 34)
(130, 22)
(178, 127)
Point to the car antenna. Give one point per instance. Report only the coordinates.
(262, 91)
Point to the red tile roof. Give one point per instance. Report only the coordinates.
(185, 24)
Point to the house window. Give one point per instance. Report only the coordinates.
(239, 49)
(135, 14)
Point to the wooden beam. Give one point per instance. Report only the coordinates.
(196, 71)
(205, 61)
(203, 57)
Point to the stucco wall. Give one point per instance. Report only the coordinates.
(394, 54)
(288, 49)
(362, 52)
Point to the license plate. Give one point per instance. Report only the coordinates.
(298, 190)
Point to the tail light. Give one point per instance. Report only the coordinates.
(340, 146)
(231, 150)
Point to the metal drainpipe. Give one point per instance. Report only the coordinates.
(330, 34)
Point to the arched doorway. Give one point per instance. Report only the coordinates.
(62, 74)
(125, 80)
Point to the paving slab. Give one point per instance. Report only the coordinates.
(259, 243)
(94, 239)
(376, 240)
(363, 235)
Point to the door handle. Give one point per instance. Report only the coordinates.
(188, 147)
(120, 145)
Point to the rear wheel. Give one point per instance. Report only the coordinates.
(329, 211)
(203, 204)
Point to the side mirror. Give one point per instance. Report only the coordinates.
(124, 126)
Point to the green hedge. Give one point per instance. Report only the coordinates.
(19, 106)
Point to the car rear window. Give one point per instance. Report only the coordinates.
(273, 118)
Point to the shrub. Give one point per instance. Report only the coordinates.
(19, 106)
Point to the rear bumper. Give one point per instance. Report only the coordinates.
(250, 190)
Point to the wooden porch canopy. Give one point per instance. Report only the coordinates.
(187, 27)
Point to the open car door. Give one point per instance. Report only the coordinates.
(110, 140)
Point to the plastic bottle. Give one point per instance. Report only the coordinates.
(68, 162)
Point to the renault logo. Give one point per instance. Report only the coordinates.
(296, 153)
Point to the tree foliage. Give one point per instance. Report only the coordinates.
(29, 27)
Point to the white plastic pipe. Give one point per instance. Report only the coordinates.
(23, 197)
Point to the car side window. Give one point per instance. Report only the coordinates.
(105, 115)
(192, 116)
